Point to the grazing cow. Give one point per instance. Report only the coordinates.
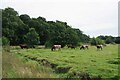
(55, 47)
(31, 46)
(99, 47)
(84, 47)
(71, 46)
(24, 46)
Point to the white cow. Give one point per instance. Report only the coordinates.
(55, 47)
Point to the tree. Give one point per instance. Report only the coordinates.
(93, 41)
(25, 18)
(5, 41)
(96, 41)
(108, 40)
(56, 32)
(41, 27)
(32, 37)
(102, 37)
(16, 27)
(100, 41)
(117, 40)
(13, 27)
(71, 37)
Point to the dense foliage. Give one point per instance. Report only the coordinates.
(32, 37)
(5, 41)
(110, 39)
(96, 41)
(15, 27)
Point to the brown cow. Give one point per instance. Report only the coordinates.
(84, 47)
(24, 46)
(71, 46)
(55, 47)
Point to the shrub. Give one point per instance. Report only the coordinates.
(48, 44)
(96, 41)
(5, 41)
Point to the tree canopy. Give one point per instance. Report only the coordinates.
(32, 37)
(16, 27)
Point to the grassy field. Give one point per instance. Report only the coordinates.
(15, 66)
(73, 63)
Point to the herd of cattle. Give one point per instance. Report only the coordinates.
(58, 47)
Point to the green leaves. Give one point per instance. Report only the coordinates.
(96, 41)
(32, 37)
(5, 41)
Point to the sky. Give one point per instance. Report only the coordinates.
(93, 17)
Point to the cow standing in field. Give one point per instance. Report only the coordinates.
(84, 47)
(71, 46)
(55, 47)
(99, 47)
(24, 46)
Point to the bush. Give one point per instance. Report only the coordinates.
(5, 44)
(80, 44)
(93, 41)
(96, 41)
(5, 41)
(48, 44)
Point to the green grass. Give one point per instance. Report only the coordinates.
(96, 63)
(15, 66)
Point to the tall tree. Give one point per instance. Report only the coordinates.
(117, 40)
(15, 28)
(25, 18)
(96, 41)
(32, 37)
(11, 25)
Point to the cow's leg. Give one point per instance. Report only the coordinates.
(97, 48)
(84, 48)
(52, 49)
(80, 48)
(87, 47)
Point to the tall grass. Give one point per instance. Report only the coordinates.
(18, 67)
(97, 63)
(103, 63)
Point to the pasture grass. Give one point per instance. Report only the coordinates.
(97, 63)
(15, 66)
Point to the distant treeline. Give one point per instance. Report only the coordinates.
(21, 29)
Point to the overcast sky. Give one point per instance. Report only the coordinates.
(93, 17)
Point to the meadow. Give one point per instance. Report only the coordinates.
(70, 63)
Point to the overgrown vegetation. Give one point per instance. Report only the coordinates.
(5, 41)
(15, 27)
(42, 62)
(15, 66)
(32, 37)
(76, 63)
